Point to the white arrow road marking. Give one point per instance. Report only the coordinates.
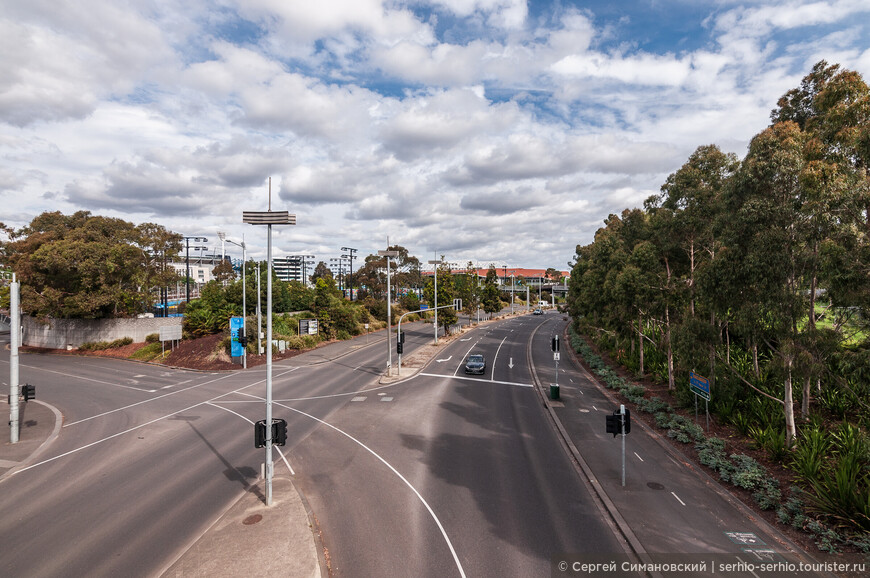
(448, 359)
(511, 364)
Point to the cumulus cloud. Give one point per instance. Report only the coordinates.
(440, 123)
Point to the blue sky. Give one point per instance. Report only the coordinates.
(496, 131)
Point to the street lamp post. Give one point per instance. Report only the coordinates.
(187, 241)
(350, 253)
(389, 254)
(268, 218)
(436, 263)
(244, 302)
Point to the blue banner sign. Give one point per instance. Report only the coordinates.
(236, 324)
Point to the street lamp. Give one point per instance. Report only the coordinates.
(244, 301)
(351, 251)
(268, 218)
(389, 254)
(436, 263)
(187, 241)
(302, 260)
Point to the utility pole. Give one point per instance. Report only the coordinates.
(436, 263)
(15, 336)
(389, 254)
(269, 218)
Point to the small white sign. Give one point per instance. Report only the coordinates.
(555, 356)
(170, 332)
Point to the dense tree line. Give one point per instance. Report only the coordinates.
(753, 272)
(87, 266)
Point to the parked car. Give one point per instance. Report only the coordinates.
(475, 364)
(538, 312)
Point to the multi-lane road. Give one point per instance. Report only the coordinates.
(440, 474)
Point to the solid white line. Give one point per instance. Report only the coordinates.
(678, 498)
(164, 395)
(280, 453)
(88, 379)
(745, 565)
(140, 426)
(401, 477)
(477, 380)
(638, 457)
(465, 356)
(496, 357)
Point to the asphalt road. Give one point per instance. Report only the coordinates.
(451, 475)
(149, 457)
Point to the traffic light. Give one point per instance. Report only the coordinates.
(555, 344)
(613, 423)
(279, 432)
(399, 347)
(243, 340)
(28, 391)
(260, 434)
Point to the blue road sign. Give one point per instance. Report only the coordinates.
(699, 385)
(236, 324)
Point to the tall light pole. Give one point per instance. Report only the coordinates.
(389, 254)
(244, 291)
(187, 241)
(269, 218)
(14, 343)
(436, 263)
(350, 253)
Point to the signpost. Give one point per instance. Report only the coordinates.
(700, 386)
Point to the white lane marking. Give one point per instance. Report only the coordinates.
(66, 374)
(595, 408)
(638, 457)
(476, 380)
(492, 377)
(161, 397)
(473, 345)
(401, 477)
(678, 498)
(134, 428)
(746, 565)
(448, 359)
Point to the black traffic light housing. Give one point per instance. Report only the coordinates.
(399, 347)
(555, 344)
(279, 433)
(28, 391)
(614, 423)
(243, 340)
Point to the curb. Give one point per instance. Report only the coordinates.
(705, 477)
(605, 504)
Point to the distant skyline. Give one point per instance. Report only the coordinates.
(495, 131)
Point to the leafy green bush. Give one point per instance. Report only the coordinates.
(148, 352)
(152, 338)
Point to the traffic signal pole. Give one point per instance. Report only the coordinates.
(15, 335)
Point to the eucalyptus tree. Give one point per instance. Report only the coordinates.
(446, 294)
(86, 266)
(489, 293)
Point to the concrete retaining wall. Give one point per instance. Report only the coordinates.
(65, 333)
